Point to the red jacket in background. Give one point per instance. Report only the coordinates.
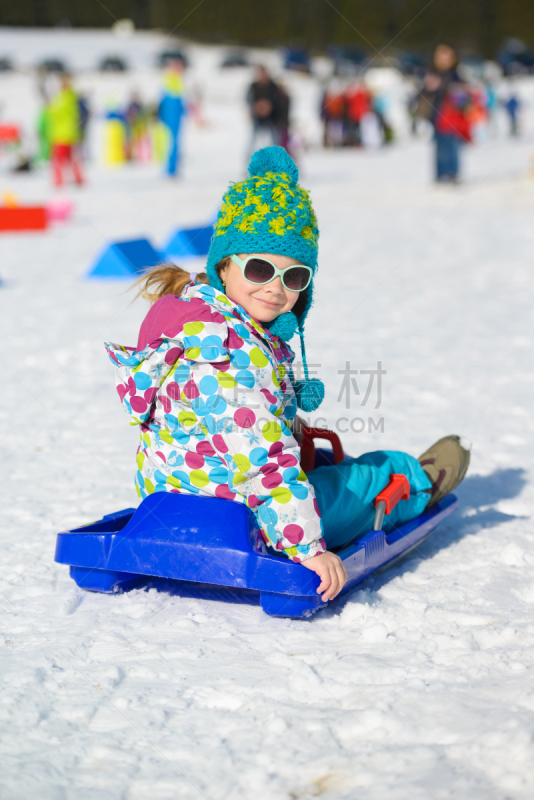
(452, 118)
(358, 103)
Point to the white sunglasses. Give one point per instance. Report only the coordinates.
(261, 271)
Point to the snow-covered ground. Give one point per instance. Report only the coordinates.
(420, 684)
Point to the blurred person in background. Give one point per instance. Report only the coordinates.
(195, 104)
(172, 110)
(491, 104)
(85, 114)
(133, 116)
(371, 133)
(333, 114)
(413, 102)
(263, 100)
(357, 104)
(43, 136)
(512, 105)
(445, 102)
(477, 114)
(137, 140)
(380, 106)
(63, 132)
(283, 109)
(42, 127)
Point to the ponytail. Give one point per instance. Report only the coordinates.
(165, 279)
(170, 279)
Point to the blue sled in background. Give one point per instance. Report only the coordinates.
(124, 260)
(204, 540)
(188, 243)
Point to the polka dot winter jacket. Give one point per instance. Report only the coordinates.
(211, 391)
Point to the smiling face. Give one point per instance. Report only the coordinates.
(263, 302)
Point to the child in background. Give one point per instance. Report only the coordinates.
(172, 109)
(63, 121)
(211, 387)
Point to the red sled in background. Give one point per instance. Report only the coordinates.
(23, 218)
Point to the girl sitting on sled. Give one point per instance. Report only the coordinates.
(211, 387)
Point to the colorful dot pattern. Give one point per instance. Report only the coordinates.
(214, 404)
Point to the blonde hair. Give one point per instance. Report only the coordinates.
(168, 279)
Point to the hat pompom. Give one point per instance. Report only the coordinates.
(310, 394)
(272, 159)
(285, 326)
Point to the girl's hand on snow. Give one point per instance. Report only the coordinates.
(331, 571)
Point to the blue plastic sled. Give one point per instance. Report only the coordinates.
(215, 541)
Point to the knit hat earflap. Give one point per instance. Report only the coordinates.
(310, 391)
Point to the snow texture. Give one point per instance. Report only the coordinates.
(420, 684)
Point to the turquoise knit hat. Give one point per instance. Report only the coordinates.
(269, 212)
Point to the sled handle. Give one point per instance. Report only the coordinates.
(308, 448)
(397, 489)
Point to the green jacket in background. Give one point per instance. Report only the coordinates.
(63, 118)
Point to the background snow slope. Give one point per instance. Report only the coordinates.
(418, 685)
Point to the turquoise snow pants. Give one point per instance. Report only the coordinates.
(346, 493)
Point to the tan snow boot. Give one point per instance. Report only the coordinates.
(445, 463)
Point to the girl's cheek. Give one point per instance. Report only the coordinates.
(291, 299)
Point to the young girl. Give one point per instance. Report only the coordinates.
(211, 387)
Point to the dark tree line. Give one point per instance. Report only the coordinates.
(479, 25)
